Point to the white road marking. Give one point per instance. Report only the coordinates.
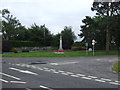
(23, 65)
(65, 73)
(105, 79)
(69, 73)
(33, 67)
(10, 76)
(61, 71)
(63, 63)
(81, 75)
(92, 76)
(114, 83)
(52, 70)
(18, 64)
(74, 75)
(45, 68)
(18, 82)
(45, 87)
(117, 81)
(99, 80)
(28, 66)
(98, 59)
(3, 80)
(40, 68)
(86, 78)
(23, 71)
(54, 63)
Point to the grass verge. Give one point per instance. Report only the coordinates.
(52, 54)
(116, 66)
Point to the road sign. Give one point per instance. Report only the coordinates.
(93, 41)
(86, 44)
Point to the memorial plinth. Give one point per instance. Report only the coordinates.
(60, 50)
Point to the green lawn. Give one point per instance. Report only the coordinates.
(52, 54)
(116, 67)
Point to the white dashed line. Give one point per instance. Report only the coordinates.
(18, 64)
(99, 80)
(114, 83)
(58, 71)
(40, 68)
(45, 68)
(92, 77)
(23, 65)
(23, 71)
(61, 71)
(3, 80)
(86, 78)
(81, 75)
(69, 73)
(52, 70)
(105, 79)
(117, 81)
(28, 66)
(65, 73)
(18, 82)
(74, 75)
(10, 76)
(33, 67)
(45, 87)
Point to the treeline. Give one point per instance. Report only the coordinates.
(35, 36)
(104, 27)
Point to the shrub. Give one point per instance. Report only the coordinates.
(24, 44)
(77, 48)
(14, 50)
(6, 46)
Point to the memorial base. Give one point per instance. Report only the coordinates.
(59, 51)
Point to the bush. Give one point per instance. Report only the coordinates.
(6, 46)
(14, 50)
(25, 44)
(77, 48)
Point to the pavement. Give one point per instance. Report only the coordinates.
(51, 73)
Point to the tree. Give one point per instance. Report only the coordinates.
(9, 25)
(68, 37)
(40, 34)
(55, 40)
(107, 9)
(93, 28)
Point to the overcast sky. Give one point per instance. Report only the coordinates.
(55, 14)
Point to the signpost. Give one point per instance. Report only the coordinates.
(93, 43)
(86, 44)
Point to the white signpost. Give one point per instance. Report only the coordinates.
(93, 43)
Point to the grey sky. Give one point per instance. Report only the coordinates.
(55, 14)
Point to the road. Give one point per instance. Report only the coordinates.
(63, 72)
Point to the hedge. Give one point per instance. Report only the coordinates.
(16, 43)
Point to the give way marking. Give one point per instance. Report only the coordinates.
(23, 71)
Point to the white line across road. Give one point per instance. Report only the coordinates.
(45, 87)
(23, 71)
(10, 76)
(18, 82)
(3, 80)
